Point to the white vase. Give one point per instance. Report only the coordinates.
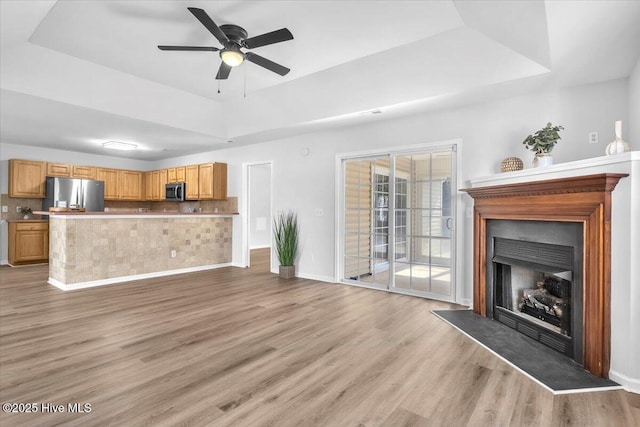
(542, 159)
(619, 145)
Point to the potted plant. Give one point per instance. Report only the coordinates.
(285, 233)
(26, 211)
(542, 142)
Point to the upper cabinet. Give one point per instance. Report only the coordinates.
(59, 169)
(212, 183)
(110, 178)
(191, 182)
(86, 172)
(207, 181)
(27, 178)
(129, 185)
(163, 180)
(220, 181)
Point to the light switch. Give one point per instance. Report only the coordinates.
(5, 209)
(318, 212)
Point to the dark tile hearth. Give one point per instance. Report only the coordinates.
(552, 369)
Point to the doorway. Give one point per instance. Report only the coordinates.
(258, 218)
(398, 212)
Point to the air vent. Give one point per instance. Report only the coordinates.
(528, 331)
(553, 343)
(534, 252)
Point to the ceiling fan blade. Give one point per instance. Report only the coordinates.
(277, 36)
(223, 71)
(205, 20)
(264, 62)
(189, 48)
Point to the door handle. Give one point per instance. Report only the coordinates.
(449, 223)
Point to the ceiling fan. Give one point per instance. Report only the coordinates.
(233, 38)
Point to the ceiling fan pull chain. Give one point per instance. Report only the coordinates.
(245, 81)
(218, 86)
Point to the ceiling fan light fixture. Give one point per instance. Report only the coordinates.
(232, 57)
(117, 145)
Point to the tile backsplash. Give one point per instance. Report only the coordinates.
(13, 202)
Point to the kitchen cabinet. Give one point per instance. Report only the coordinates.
(181, 174)
(28, 242)
(212, 181)
(162, 183)
(155, 185)
(205, 181)
(176, 174)
(148, 185)
(85, 172)
(27, 178)
(220, 181)
(191, 181)
(130, 185)
(59, 169)
(110, 178)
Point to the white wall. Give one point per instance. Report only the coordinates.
(634, 109)
(490, 132)
(260, 206)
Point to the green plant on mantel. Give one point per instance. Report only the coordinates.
(543, 140)
(285, 233)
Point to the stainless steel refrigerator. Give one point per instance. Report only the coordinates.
(74, 193)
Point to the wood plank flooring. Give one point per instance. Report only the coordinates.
(236, 347)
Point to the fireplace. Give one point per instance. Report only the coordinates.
(583, 202)
(534, 272)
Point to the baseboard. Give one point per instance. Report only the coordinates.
(111, 281)
(317, 277)
(465, 301)
(260, 247)
(631, 385)
(4, 262)
(327, 279)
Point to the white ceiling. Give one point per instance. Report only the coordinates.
(76, 73)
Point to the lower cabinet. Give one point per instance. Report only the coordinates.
(28, 242)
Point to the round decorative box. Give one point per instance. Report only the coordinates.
(511, 164)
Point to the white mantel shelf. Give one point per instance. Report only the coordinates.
(561, 170)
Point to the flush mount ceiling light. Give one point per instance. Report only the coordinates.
(232, 56)
(117, 145)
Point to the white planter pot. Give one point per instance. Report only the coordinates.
(542, 160)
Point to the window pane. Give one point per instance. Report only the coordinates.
(402, 275)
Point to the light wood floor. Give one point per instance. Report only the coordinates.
(236, 347)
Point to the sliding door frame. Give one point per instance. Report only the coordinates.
(456, 197)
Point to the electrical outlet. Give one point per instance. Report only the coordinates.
(5, 209)
(173, 254)
(18, 209)
(593, 137)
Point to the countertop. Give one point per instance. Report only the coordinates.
(132, 213)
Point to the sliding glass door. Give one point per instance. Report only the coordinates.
(366, 221)
(399, 222)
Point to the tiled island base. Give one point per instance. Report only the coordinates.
(93, 250)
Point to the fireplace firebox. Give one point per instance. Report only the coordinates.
(535, 280)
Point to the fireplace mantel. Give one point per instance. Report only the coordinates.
(585, 199)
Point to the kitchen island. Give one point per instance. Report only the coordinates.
(100, 248)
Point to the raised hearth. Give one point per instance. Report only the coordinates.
(585, 200)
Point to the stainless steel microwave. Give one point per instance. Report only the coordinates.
(175, 192)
